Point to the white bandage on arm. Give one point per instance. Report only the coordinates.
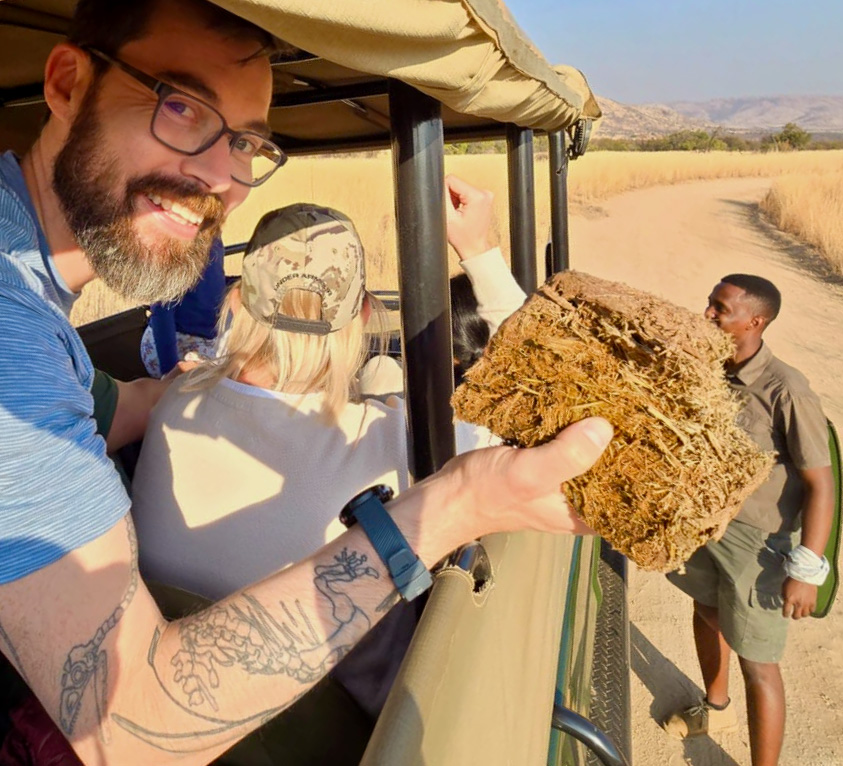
(804, 565)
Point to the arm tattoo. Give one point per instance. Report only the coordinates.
(390, 601)
(242, 634)
(87, 664)
(8, 648)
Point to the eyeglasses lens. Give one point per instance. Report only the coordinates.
(189, 125)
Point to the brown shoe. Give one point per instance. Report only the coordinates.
(701, 719)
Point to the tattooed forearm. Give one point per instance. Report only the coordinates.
(8, 648)
(390, 601)
(196, 740)
(245, 635)
(87, 664)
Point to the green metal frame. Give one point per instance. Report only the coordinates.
(828, 590)
(573, 679)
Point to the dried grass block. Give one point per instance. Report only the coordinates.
(679, 468)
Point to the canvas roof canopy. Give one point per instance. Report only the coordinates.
(468, 54)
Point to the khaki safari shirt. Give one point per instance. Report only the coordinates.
(783, 415)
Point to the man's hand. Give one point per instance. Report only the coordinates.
(800, 599)
(511, 489)
(469, 214)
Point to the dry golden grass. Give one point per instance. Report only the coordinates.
(811, 207)
(96, 302)
(362, 188)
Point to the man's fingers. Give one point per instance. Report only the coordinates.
(574, 450)
(800, 599)
(794, 610)
(579, 527)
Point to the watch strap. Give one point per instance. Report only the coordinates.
(408, 572)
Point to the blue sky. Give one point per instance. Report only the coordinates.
(639, 51)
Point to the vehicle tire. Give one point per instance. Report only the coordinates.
(610, 702)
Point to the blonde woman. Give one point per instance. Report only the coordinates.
(247, 461)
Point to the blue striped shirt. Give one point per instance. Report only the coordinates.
(58, 489)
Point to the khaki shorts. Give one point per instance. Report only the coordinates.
(741, 575)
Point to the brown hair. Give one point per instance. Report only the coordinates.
(108, 25)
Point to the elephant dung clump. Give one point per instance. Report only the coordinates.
(679, 468)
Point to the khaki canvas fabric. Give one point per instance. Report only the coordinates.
(468, 55)
(477, 686)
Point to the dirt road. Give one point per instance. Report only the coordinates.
(677, 242)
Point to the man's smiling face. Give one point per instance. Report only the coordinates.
(145, 214)
(732, 310)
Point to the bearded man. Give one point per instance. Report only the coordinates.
(157, 130)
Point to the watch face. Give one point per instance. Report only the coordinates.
(384, 493)
(380, 492)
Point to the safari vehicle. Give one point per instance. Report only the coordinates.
(521, 654)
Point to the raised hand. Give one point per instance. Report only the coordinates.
(469, 216)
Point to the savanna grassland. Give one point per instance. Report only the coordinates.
(805, 200)
(810, 206)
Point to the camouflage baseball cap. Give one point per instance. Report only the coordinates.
(304, 247)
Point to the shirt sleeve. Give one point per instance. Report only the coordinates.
(806, 430)
(58, 488)
(197, 312)
(163, 322)
(105, 394)
(498, 294)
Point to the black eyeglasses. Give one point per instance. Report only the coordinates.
(189, 126)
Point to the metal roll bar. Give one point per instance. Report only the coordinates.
(559, 260)
(585, 731)
(419, 173)
(522, 206)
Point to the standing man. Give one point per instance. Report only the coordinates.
(157, 130)
(765, 569)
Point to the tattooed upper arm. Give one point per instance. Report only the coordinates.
(8, 649)
(58, 626)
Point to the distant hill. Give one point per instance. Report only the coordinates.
(816, 114)
(645, 121)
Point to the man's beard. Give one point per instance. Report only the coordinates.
(86, 181)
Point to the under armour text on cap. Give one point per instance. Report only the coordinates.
(304, 247)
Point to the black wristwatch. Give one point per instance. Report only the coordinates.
(408, 572)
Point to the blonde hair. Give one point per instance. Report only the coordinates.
(298, 363)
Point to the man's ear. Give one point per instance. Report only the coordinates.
(67, 75)
(758, 322)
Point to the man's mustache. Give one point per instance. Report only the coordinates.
(209, 206)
